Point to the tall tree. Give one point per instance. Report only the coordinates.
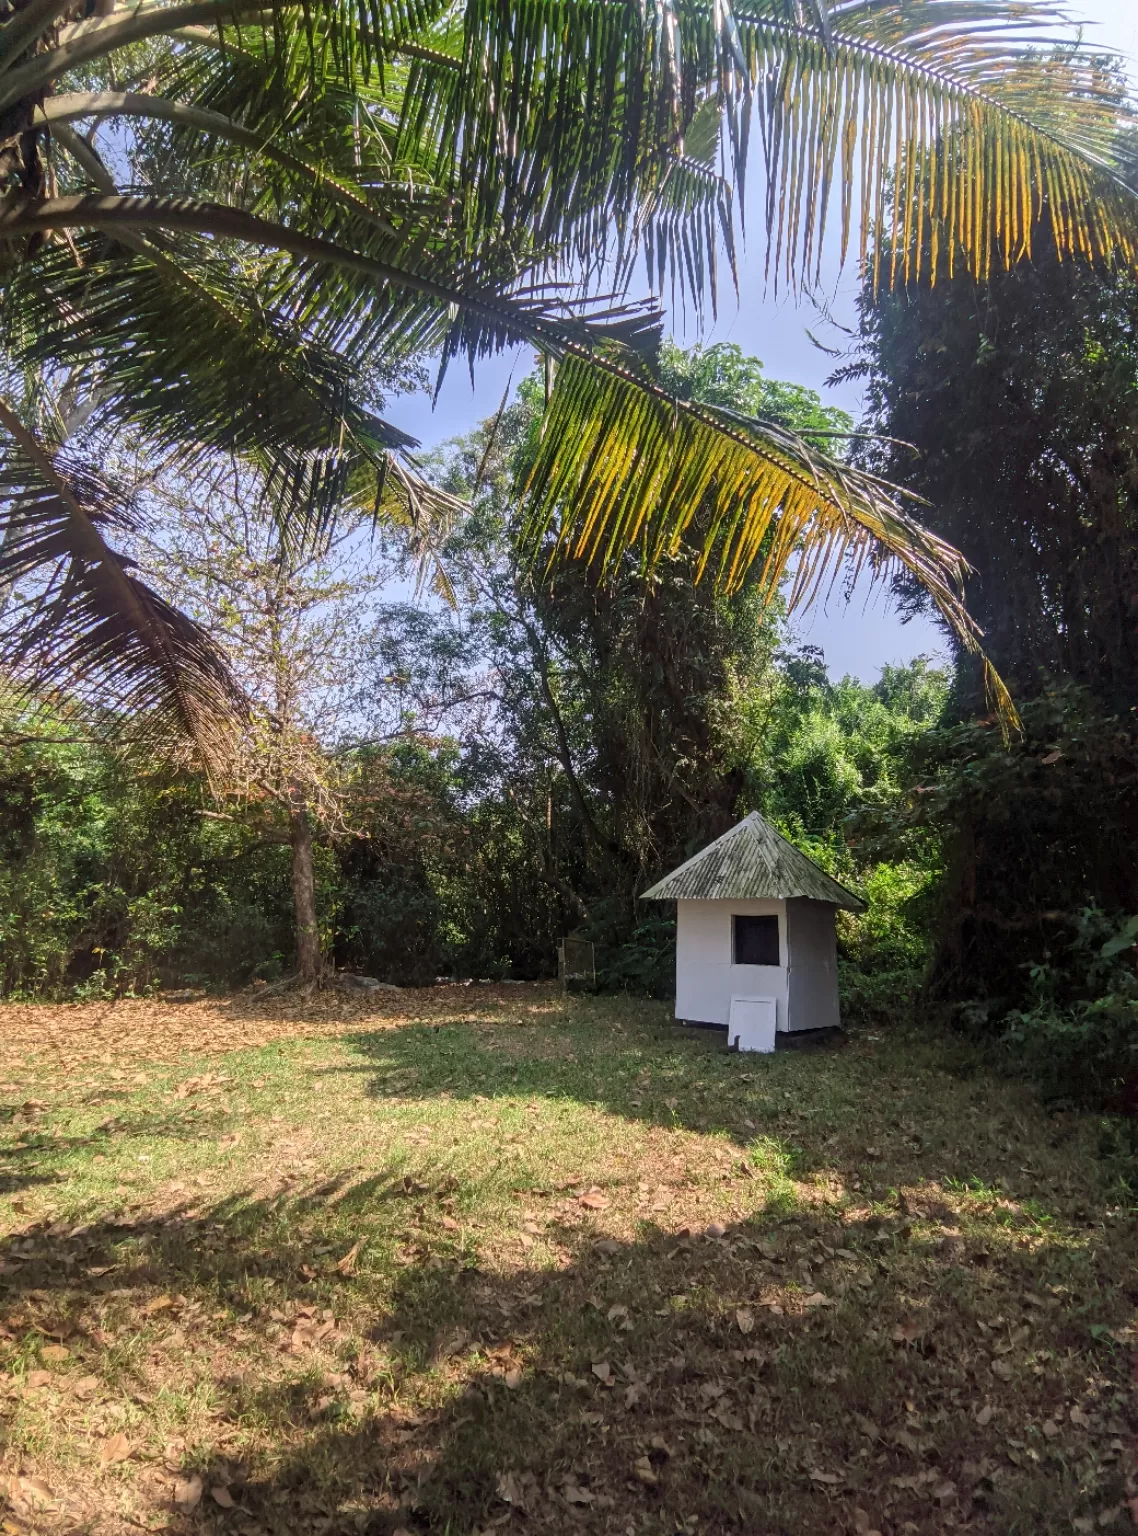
(313, 184)
(1020, 399)
(617, 719)
(291, 623)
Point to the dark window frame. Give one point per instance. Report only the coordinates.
(752, 935)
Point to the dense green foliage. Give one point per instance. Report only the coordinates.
(1020, 397)
(462, 858)
(111, 877)
(552, 746)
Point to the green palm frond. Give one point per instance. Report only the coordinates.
(965, 119)
(557, 126)
(541, 315)
(621, 466)
(88, 625)
(148, 327)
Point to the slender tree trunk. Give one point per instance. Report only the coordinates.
(304, 894)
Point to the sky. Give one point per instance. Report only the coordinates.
(861, 635)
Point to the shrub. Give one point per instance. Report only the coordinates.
(1078, 1034)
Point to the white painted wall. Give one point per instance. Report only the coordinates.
(706, 980)
(804, 986)
(813, 953)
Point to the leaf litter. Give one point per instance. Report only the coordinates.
(634, 1366)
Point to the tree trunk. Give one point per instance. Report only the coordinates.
(304, 895)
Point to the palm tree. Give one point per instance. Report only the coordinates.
(217, 211)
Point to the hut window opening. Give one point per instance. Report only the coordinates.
(756, 940)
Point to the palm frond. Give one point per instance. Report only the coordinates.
(622, 466)
(202, 122)
(176, 343)
(559, 118)
(942, 127)
(88, 626)
(543, 317)
(967, 120)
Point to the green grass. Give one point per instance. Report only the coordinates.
(548, 1265)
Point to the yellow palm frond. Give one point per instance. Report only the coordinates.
(944, 128)
(623, 466)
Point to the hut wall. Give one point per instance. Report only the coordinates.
(813, 954)
(707, 978)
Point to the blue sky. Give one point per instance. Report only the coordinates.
(864, 634)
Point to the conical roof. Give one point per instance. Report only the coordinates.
(752, 860)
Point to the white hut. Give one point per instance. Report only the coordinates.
(756, 948)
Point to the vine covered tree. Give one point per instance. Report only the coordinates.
(1020, 397)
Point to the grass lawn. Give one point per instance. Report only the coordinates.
(486, 1259)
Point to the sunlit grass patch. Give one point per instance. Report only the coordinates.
(556, 1264)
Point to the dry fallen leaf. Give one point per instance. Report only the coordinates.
(645, 1471)
(510, 1490)
(54, 1353)
(602, 1371)
(984, 1416)
(513, 1379)
(715, 1229)
(744, 1319)
(863, 1526)
(574, 1494)
(114, 1448)
(594, 1200)
(188, 1492)
(34, 1489)
(347, 1265)
(908, 1331)
(220, 1494)
(39, 1379)
(86, 1386)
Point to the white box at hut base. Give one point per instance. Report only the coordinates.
(755, 923)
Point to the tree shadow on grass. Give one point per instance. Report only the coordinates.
(777, 1377)
(853, 1351)
(881, 1117)
(22, 1163)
